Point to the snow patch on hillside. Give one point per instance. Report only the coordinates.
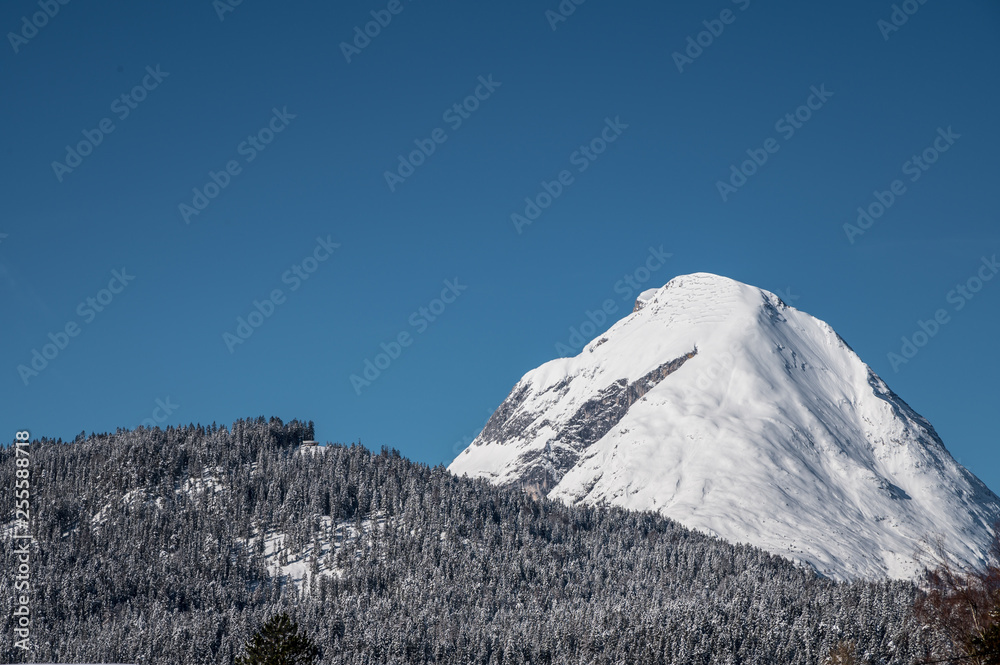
(319, 558)
(207, 484)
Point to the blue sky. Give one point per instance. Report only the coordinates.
(257, 107)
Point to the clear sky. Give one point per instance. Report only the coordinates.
(274, 126)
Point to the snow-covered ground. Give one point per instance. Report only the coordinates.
(300, 564)
(208, 483)
(767, 429)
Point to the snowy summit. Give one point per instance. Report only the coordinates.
(716, 404)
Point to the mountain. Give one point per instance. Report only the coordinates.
(718, 405)
(176, 545)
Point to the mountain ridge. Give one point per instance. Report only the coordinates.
(769, 430)
(171, 545)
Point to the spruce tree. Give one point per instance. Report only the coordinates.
(279, 643)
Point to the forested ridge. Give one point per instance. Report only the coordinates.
(150, 549)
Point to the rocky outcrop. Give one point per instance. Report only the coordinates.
(544, 468)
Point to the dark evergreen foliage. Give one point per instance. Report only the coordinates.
(279, 642)
(132, 565)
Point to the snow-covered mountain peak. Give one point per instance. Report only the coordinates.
(716, 404)
(644, 298)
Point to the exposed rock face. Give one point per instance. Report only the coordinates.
(718, 405)
(544, 467)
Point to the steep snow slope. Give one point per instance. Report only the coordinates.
(716, 404)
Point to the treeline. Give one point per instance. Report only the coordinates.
(148, 550)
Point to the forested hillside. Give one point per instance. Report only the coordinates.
(160, 546)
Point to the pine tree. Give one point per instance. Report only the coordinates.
(279, 643)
